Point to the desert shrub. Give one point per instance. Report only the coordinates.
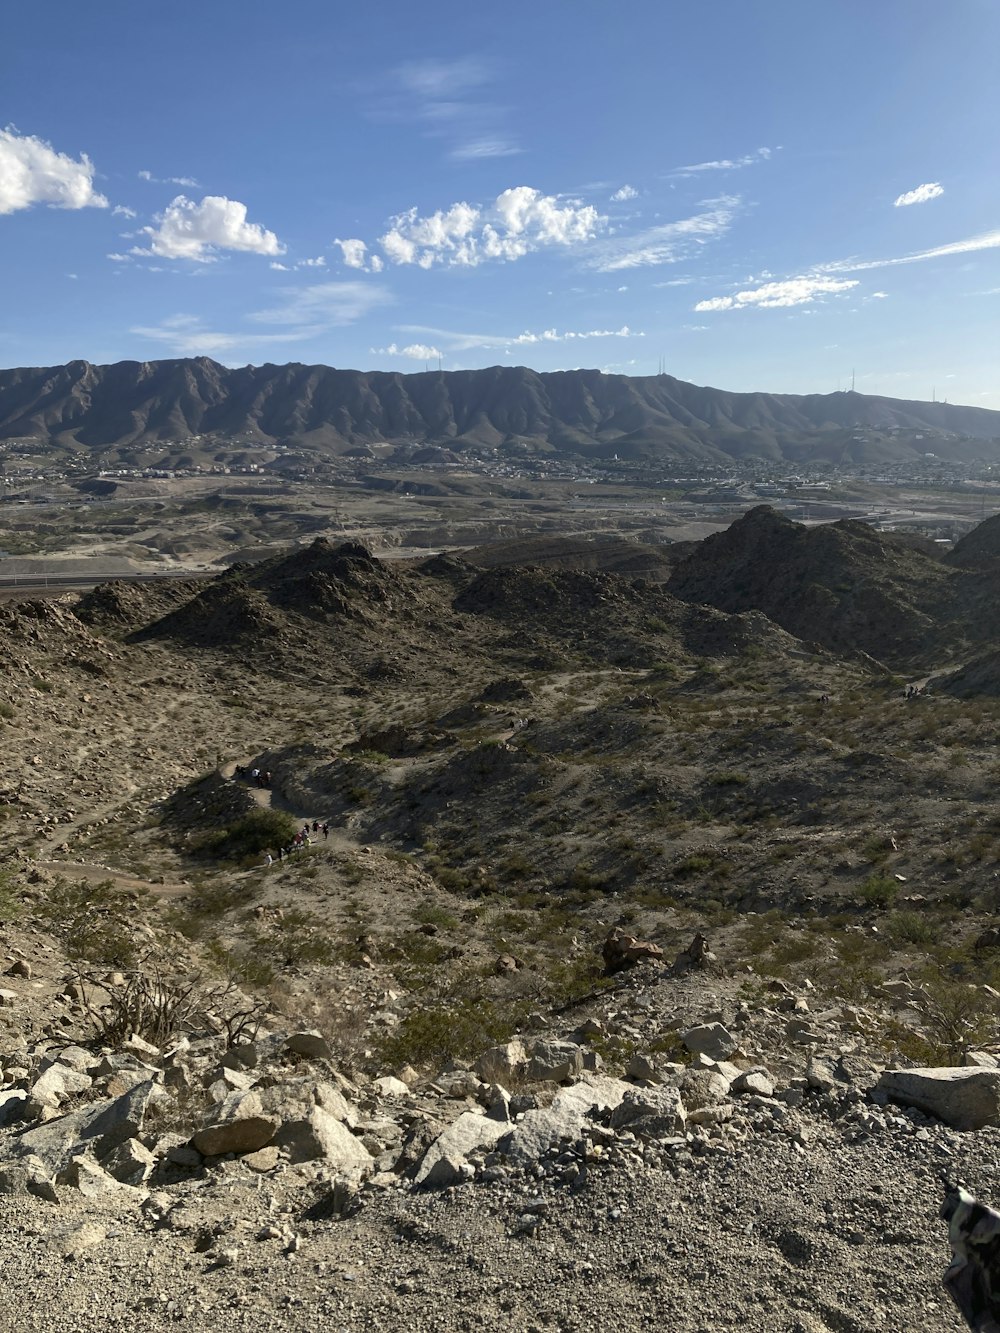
(907, 927)
(94, 922)
(955, 1015)
(879, 890)
(260, 831)
(452, 1030)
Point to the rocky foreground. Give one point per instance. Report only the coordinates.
(765, 1173)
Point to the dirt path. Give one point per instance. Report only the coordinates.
(98, 874)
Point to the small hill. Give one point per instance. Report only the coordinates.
(843, 585)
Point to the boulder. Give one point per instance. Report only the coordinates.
(83, 1173)
(756, 1082)
(554, 1061)
(312, 1045)
(237, 1125)
(57, 1082)
(100, 1127)
(502, 1064)
(702, 1087)
(650, 1113)
(387, 1086)
(445, 1161)
(710, 1039)
(537, 1131)
(131, 1163)
(319, 1135)
(622, 950)
(965, 1098)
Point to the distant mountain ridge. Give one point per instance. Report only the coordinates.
(508, 408)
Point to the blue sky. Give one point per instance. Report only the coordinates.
(760, 195)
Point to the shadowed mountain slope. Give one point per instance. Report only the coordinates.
(576, 412)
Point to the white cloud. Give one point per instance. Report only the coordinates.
(415, 351)
(187, 230)
(318, 262)
(305, 313)
(774, 295)
(920, 195)
(119, 258)
(328, 304)
(438, 79)
(188, 182)
(464, 342)
(668, 242)
(724, 163)
(279, 267)
(474, 149)
(355, 252)
(623, 194)
(988, 240)
(120, 211)
(519, 221)
(32, 172)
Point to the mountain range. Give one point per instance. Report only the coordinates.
(165, 405)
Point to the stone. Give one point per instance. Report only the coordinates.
(710, 1039)
(56, 1083)
(100, 1127)
(458, 1083)
(311, 1044)
(641, 1066)
(182, 1154)
(650, 1113)
(131, 1163)
(141, 1049)
(444, 1161)
(553, 1061)
(755, 1081)
(621, 950)
(8, 997)
(702, 1087)
(319, 1135)
(264, 1159)
(710, 1115)
(78, 1058)
(539, 1130)
(696, 955)
(820, 1075)
(387, 1086)
(73, 1243)
(965, 1098)
(84, 1174)
(502, 1064)
(980, 1060)
(12, 1105)
(245, 1055)
(22, 968)
(237, 1125)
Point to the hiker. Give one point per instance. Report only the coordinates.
(269, 860)
(281, 853)
(315, 826)
(326, 832)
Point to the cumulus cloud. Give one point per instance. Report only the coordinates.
(186, 230)
(415, 351)
(623, 194)
(932, 190)
(775, 295)
(356, 255)
(668, 242)
(318, 262)
(32, 172)
(519, 220)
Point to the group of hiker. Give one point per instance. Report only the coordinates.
(305, 837)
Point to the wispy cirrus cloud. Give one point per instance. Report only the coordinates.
(449, 99)
(466, 342)
(921, 195)
(667, 242)
(779, 295)
(186, 230)
(187, 182)
(301, 313)
(33, 172)
(987, 240)
(725, 163)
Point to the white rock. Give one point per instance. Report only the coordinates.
(710, 1039)
(962, 1097)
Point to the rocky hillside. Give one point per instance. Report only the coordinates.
(425, 945)
(581, 412)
